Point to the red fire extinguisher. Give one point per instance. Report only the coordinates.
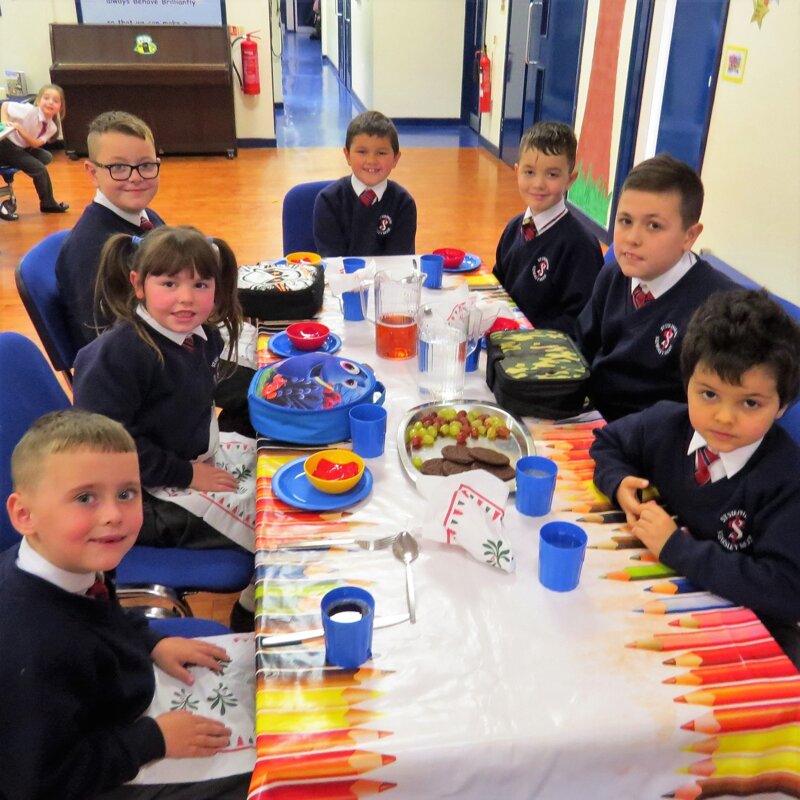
(251, 83)
(484, 82)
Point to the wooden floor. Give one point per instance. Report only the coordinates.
(464, 198)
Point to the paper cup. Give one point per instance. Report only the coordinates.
(562, 546)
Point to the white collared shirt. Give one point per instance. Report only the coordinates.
(728, 464)
(178, 338)
(102, 200)
(359, 187)
(30, 118)
(546, 219)
(28, 560)
(664, 282)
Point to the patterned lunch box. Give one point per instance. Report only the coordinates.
(277, 290)
(539, 373)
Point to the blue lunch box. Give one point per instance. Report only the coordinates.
(306, 399)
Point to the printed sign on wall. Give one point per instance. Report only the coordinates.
(151, 12)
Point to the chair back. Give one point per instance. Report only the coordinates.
(298, 217)
(609, 256)
(38, 288)
(28, 389)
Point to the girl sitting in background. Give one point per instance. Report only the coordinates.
(155, 371)
(35, 125)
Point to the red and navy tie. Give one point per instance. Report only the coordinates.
(702, 460)
(367, 197)
(528, 230)
(145, 224)
(188, 343)
(98, 590)
(641, 297)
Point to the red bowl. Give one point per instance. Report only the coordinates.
(307, 335)
(452, 256)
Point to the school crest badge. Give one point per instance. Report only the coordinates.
(540, 269)
(666, 338)
(733, 535)
(384, 225)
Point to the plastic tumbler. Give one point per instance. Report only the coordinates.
(368, 430)
(536, 482)
(353, 264)
(562, 546)
(348, 613)
(351, 306)
(432, 266)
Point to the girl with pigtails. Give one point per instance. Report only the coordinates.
(155, 371)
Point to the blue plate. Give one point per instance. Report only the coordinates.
(291, 485)
(470, 263)
(281, 345)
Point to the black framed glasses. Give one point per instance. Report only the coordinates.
(122, 172)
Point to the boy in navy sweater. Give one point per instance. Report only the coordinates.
(366, 214)
(546, 260)
(78, 669)
(631, 329)
(124, 168)
(731, 476)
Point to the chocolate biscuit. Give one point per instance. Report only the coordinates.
(458, 453)
(433, 466)
(488, 456)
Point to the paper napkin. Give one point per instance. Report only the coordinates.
(467, 510)
(339, 281)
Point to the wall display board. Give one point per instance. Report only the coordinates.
(151, 12)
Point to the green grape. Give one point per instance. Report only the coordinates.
(455, 428)
(491, 434)
(481, 430)
(444, 430)
(431, 430)
(427, 440)
(417, 462)
(472, 415)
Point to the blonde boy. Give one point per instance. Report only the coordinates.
(79, 669)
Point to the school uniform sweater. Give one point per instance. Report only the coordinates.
(78, 677)
(551, 276)
(634, 355)
(344, 226)
(76, 266)
(742, 541)
(165, 407)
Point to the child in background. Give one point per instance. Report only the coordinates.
(155, 371)
(124, 168)
(546, 260)
(80, 668)
(35, 125)
(720, 463)
(631, 329)
(366, 214)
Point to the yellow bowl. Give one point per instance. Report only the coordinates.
(338, 457)
(300, 258)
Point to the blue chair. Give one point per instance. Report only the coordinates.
(790, 421)
(8, 207)
(188, 627)
(609, 256)
(38, 289)
(27, 391)
(298, 217)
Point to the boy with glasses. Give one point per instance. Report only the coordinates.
(123, 166)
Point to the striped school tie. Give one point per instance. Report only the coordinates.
(528, 230)
(145, 223)
(188, 343)
(98, 590)
(703, 458)
(641, 297)
(367, 197)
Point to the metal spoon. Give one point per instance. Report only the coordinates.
(406, 549)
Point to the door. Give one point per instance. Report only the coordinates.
(544, 55)
(474, 27)
(343, 24)
(694, 56)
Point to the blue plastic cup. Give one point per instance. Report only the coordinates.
(348, 613)
(351, 306)
(536, 482)
(432, 266)
(353, 264)
(368, 430)
(562, 546)
(471, 364)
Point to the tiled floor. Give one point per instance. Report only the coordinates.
(317, 107)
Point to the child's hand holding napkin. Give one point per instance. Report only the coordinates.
(467, 510)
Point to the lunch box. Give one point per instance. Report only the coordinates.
(306, 399)
(277, 290)
(536, 373)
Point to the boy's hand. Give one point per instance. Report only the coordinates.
(174, 653)
(653, 527)
(188, 735)
(208, 478)
(628, 497)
